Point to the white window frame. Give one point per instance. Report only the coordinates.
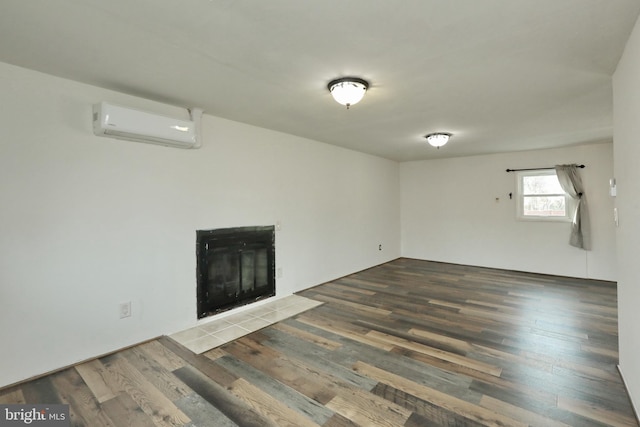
(569, 202)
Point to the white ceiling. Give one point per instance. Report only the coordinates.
(501, 75)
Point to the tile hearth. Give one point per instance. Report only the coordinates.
(213, 334)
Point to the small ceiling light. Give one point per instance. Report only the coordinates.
(348, 90)
(438, 139)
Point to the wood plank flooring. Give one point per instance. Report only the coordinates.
(408, 343)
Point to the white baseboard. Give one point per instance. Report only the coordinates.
(631, 400)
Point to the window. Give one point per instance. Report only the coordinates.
(540, 197)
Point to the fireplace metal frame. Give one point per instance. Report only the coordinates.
(237, 240)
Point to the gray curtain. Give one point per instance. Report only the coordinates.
(572, 184)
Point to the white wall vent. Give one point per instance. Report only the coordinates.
(133, 125)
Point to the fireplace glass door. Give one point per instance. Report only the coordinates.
(235, 267)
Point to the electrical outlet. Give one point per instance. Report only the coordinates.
(279, 272)
(125, 309)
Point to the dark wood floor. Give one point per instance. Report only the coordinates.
(408, 343)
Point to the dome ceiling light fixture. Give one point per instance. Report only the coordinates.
(348, 90)
(438, 139)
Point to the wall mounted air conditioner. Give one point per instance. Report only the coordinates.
(133, 125)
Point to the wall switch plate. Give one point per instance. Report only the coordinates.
(125, 309)
(612, 187)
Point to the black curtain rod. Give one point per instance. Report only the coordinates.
(538, 169)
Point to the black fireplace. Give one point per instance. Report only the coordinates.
(236, 266)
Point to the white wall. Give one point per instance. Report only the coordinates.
(89, 222)
(449, 213)
(626, 105)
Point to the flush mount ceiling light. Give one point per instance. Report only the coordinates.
(348, 90)
(438, 139)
